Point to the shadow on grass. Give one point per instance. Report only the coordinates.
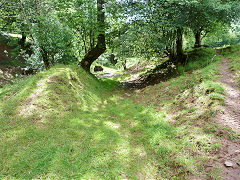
(117, 141)
(90, 135)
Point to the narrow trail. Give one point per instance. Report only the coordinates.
(229, 155)
(231, 115)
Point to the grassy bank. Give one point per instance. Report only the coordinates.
(64, 123)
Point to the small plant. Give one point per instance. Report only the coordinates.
(216, 173)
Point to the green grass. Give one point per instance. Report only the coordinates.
(66, 124)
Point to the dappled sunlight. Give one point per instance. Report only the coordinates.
(103, 142)
(35, 99)
(82, 127)
(54, 93)
(112, 125)
(125, 89)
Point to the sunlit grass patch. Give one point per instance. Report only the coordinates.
(57, 91)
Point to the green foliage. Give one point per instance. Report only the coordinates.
(153, 25)
(55, 38)
(212, 88)
(69, 29)
(224, 37)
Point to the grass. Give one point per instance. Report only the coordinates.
(66, 124)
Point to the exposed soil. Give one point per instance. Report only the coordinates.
(9, 64)
(160, 73)
(231, 115)
(133, 70)
(8, 74)
(229, 154)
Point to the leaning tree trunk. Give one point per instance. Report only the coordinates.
(198, 40)
(100, 48)
(180, 56)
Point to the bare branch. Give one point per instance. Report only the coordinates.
(8, 16)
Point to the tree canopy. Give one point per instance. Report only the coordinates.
(80, 31)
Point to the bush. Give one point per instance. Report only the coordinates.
(56, 40)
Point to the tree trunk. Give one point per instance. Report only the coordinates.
(84, 40)
(45, 58)
(91, 38)
(171, 52)
(125, 65)
(100, 48)
(23, 40)
(180, 56)
(198, 40)
(112, 59)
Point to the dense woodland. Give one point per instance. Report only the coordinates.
(120, 89)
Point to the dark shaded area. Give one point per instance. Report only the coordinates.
(161, 73)
(11, 58)
(98, 68)
(112, 59)
(195, 59)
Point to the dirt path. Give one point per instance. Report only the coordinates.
(112, 75)
(231, 115)
(229, 155)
